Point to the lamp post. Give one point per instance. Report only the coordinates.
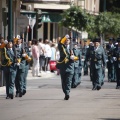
(10, 29)
(104, 6)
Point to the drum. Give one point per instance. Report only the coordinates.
(52, 64)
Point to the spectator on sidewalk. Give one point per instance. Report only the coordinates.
(57, 58)
(53, 53)
(41, 46)
(48, 53)
(35, 55)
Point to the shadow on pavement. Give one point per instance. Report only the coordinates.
(38, 99)
(110, 118)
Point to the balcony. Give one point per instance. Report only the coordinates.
(40, 1)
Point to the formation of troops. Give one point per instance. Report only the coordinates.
(94, 58)
(15, 57)
(14, 61)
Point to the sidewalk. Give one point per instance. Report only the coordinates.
(43, 75)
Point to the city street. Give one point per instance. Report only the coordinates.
(44, 100)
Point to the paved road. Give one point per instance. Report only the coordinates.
(44, 101)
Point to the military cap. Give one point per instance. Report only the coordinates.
(96, 40)
(111, 39)
(118, 39)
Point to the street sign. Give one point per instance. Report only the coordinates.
(22, 21)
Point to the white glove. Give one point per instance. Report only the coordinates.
(6, 42)
(67, 36)
(106, 60)
(0, 44)
(82, 59)
(114, 58)
(88, 63)
(30, 49)
(72, 57)
(18, 64)
(24, 55)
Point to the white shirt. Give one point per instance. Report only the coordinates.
(48, 51)
(41, 47)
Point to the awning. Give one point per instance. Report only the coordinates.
(51, 17)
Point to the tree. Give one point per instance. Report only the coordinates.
(74, 17)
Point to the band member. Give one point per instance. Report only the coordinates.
(97, 58)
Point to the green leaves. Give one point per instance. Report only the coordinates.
(106, 22)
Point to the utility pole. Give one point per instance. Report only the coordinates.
(104, 5)
(10, 30)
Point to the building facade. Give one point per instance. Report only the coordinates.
(51, 10)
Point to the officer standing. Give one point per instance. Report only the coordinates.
(110, 64)
(76, 80)
(66, 65)
(84, 51)
(96, 55)
(117, 63)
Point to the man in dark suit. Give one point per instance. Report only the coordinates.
(117, 62)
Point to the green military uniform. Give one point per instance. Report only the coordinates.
(27, 65)
(76, 77)
(10, 73)
(66, 66)
(111, 63)
(85, 65)
(117, 63)
(97, 62)
(20, 71)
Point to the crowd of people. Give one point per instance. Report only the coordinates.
(17, 57)
(93, 57)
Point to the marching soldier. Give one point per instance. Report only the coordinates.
(10, 70)
(84, 51)
(117, 62)
(96, 55)
(77, 71)
(66, 65)
(110, 64)
(28, 59)
(20, 68)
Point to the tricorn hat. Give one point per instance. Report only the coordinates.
(111, 39)
(118, 39)
(96, 40)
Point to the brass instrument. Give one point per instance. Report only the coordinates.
(4, 59)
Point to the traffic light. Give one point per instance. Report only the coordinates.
(39, 19)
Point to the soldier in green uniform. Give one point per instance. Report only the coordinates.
(110, 64)
(66, 65)
(84, 63)
(10, 70)
(27, 65)
(77, 65)
(20, 68)
(96, 55)
(117, 63)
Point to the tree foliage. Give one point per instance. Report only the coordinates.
(104, 23)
